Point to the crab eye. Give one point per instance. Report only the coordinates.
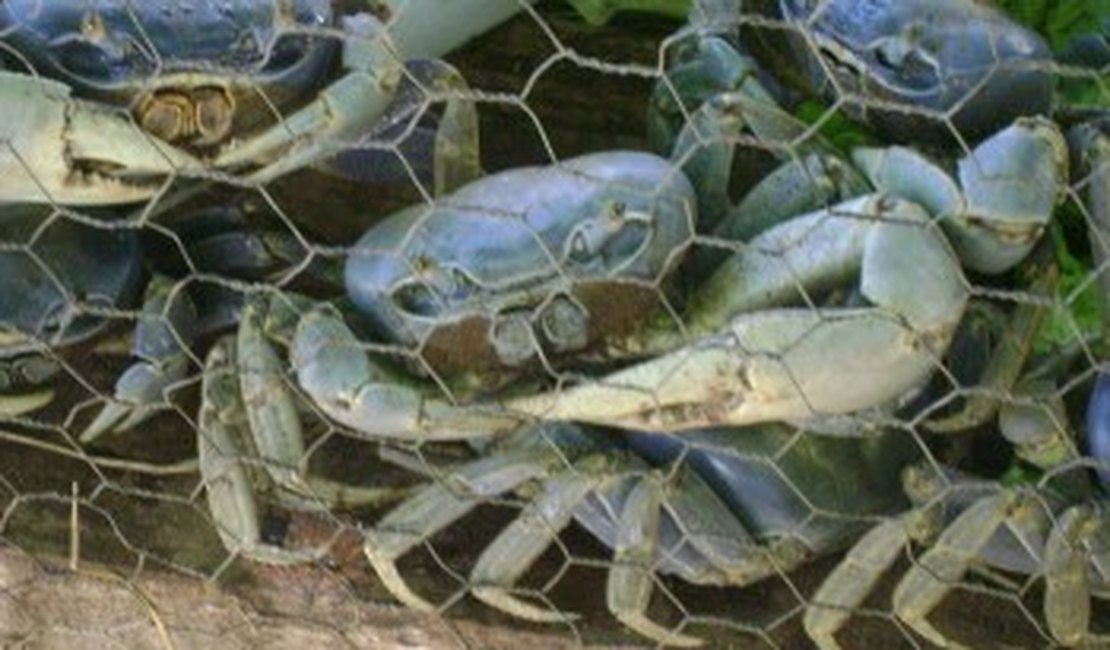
(617, 236)
(54, 322)
(416, 298)
(463, 285)
(906, 61)
(580, 249)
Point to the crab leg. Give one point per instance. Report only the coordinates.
(343, 111)
(57, 149)
(275, 425)
(228, 480)
(632, 576)
(168, 318)
(365, 101)
(510, 555)
(1067, 606)
(944, 564)
(789, 363)
(232, 449)
(401, 146)
(443, 502)
(845, 589)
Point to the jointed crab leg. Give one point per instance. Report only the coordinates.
(509, 556)
(853, 579)
(345, 110)
(630, 582)
(228, 481)
(236, 461)
(168, 318)
(1067, 606)
(440, 504)
(946, 562)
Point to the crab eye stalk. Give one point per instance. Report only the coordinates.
(416, 298)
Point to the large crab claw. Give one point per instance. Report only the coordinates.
(1001, 199)
(374, 398)
(62, 150)
(791, 363)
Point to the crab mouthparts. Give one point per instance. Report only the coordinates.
(199, 116)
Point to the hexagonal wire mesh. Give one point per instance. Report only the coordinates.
(815, 370)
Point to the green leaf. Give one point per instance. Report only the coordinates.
(1059, 21)
(1081, 315)
(841, 132)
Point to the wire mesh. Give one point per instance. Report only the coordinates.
(309, 302)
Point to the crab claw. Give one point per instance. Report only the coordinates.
(58, 149)
(333, 367)
(1002, 199)
(790, 363)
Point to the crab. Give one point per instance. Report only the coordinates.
(59, 277)
(1057, 526)
(740, 354)
(724, 507)
(629, 225)
(196, 82)
(200, 97)
(964, 67)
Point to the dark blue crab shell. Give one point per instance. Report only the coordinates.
(824, 490)
(599, 231)
(105, 46)
(1098, 427)
(51, 263)
(949, 57)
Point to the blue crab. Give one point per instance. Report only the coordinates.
(1057, 526)
(725, 507)
(59, 278)
(198, 80)
(626, 225)
(354, 384)
(922, 72)
(232, 86)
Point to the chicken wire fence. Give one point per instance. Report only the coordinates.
(820, 369)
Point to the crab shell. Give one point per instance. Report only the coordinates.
(544, 256)
(61, 274)
(954, 59)
(254, 56)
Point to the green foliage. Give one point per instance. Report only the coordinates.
(1059, 21)
(598, 12)
(1077, 292)
(843, 133)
